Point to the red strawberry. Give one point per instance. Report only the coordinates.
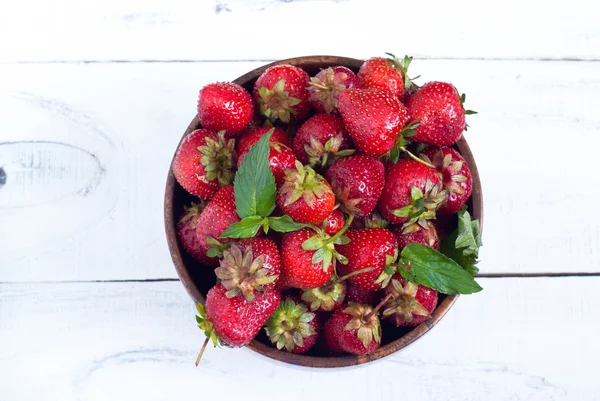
(320, 139)
(281, 93)
(186, 231)
(361, 296)
(218, 214)
(426, 236)
(331, 295)
(292, 327)
(297, 267)
(357, 182)
(441, 116)
(235, 320)
(411, 195)
(354, 329)
(253, 266)
(455, 175)
(225, 106)
(327, 84)
(203, 162)
(373, 119)
(280, 156)
(411, 304)
(335, 222)
(384, 74)
(305, 196)
(249, 138)
(369, 247)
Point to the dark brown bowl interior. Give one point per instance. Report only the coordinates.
(198, 279)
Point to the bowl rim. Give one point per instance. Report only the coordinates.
(297, 359)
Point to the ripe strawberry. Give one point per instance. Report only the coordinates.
(320, 139)
(327, 84)
(455, 174)
(292, 327)
(438, 108)
(186, 231)
(383, 74)
(280, 156)
(203, 162)
(225, 106)
(235, 320)
(250, 267)
(331, 295)
(411, 195)
(357, 182)
(354, 329)
(373, 119)
(369, 247)
(361, 296)
(305, 196)
(281, 93)
(411, 304)
(335, 222)
(426, 236)
(218, 214)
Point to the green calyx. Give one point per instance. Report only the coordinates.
(305, 183)
(324, 246)
(277, 104)
(192, 213)
(365, 322)
(240, 272)
(376, 220)
(217, 158)
(403, 305)
(323, 155)
(347, 205)
(453, 167)
(216, 247)
(402, 66)
(289, 325)
(401, 144)
(423, 207)
(389, 270)
(206, 326)
(324, 297)
(326, 90)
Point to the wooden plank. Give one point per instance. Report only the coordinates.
(66, 30)
(105, 341)
(86, 147)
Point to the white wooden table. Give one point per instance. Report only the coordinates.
(94, 97)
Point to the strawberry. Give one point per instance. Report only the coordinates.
(361, 296)
(335, 222)
(355, 329)
(305, 196)
(250, 267)
(373, 119)
(292, 327)
(357, 182)
(320, 139)
(410, 304)
(281, 93)
(411, 195)
(426, 236)
(186, 231)
(385, 74)
(369, 247)
(327, 84)
(203, 162)
(440, 113)
(218, 214)
(455, 174)
(225, 106)
(331, 295)
(234, 320)
(280, 156)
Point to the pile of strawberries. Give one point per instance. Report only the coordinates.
(322, 203)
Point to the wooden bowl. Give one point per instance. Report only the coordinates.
(197, 279)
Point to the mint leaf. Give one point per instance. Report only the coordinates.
(285, 224)
(254, 184)
(246, 228)
(463, 244)
(432, 269)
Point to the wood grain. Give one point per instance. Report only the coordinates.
(263, 29)
(138, 341)
(519, 139)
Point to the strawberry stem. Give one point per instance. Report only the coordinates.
(202, 349)
(415, 158)
(347, 276)
(341, 232)
(376, 309)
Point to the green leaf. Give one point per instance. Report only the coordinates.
(409, 132)
(246, 228)
(254, 184)
(463, 244)
(469, 112)
(285, 224)
(395, 154)
(313, 243)
(415, 193)
(343, 240)
(432, 269)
